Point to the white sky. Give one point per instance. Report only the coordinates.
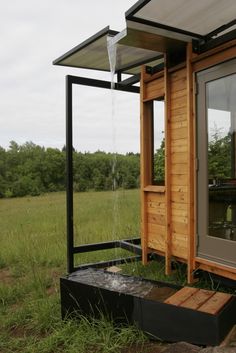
(32, 94)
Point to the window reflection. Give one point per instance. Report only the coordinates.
(221, 114)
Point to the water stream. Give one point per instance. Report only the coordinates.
(112, 48)
(112, 54)
(112, 51)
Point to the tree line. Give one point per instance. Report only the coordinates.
(29, 169)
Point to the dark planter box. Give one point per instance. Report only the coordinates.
(127, 299)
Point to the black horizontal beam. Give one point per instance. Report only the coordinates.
(220, 29)
(133, 240)
(151, 70)
(103, 264)
(136, 249)
(95, 247)
(130, 81)
(84, 81)
(125, 69)
(203, 46)
(106, 245)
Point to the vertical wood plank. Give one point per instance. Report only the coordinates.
(191, 186)
(167, 169)
(145, 162)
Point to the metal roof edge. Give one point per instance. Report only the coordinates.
(164, 27)
(136, 7)
(105, 31)
(131, 12)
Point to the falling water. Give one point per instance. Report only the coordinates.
(112, 54)
(112, 49)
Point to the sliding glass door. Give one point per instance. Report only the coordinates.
(216, 147)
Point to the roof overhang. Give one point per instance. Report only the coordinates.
(155, 27)
(93, 54)
(85, 54)
(183, 19)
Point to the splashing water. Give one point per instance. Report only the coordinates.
(113, 281)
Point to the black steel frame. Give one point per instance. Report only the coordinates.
(127, 244)
(132, 245)
(201, 46)
(151, 70)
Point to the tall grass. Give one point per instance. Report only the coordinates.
(33, 257)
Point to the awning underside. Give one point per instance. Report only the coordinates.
(190, 17)
(154, 27)
(93, 54)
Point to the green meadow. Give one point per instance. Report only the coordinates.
(33, 257)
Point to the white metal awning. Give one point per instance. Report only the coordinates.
(154, 27)
(93, 54)
(186, 18)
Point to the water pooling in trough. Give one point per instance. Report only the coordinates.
(123, 284)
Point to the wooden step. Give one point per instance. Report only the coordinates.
(207, 301)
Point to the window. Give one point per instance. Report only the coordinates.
(158, 159)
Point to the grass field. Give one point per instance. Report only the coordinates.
(32, 258)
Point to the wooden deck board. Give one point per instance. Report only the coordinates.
(179, 297)
(199, 299)
(216, 303)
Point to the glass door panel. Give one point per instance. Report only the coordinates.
(221, 122)
(216, 182)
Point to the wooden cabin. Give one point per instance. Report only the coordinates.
(188, 218)
(184, 53)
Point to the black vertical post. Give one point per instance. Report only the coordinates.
(69, 176)
(119, 76)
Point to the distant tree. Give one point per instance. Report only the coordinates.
(219, 156)
(29, 169)
(13, 146)
(3, 187)
(159, 163)
(98, 180)
(53, 177)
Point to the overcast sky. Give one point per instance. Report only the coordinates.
(32, 108)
